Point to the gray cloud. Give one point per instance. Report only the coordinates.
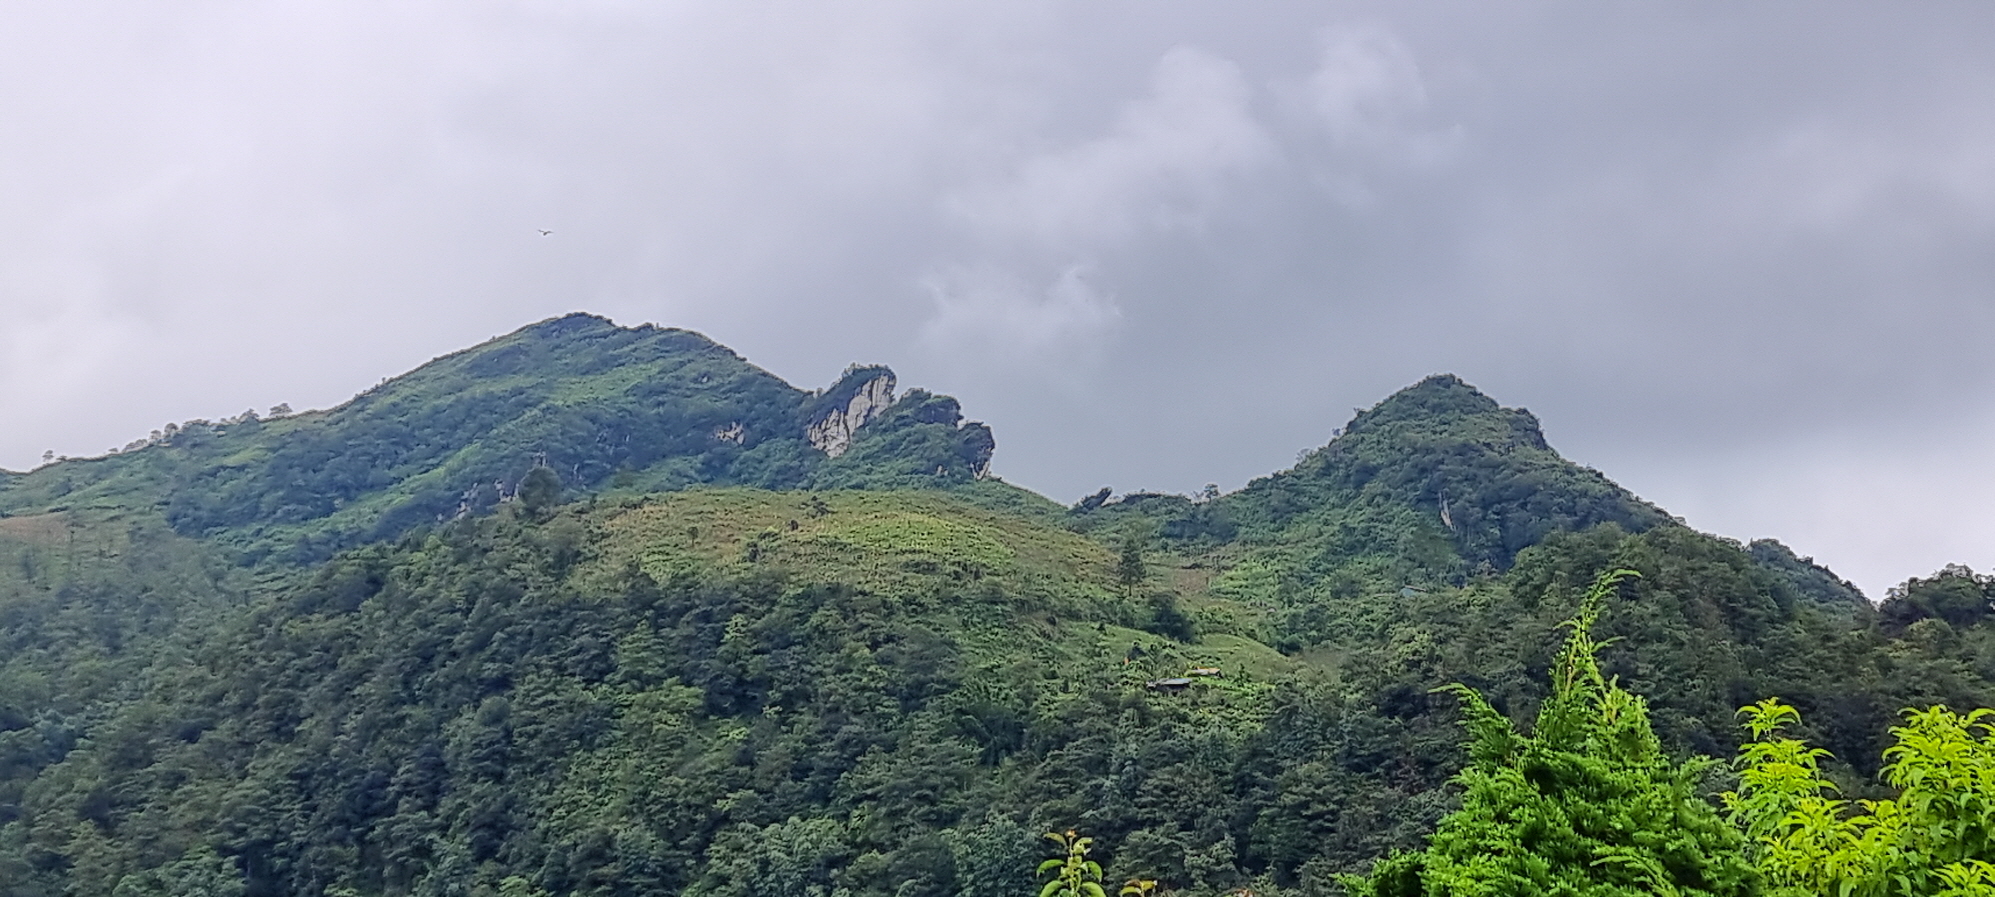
(1163, 163)
(1738, 258)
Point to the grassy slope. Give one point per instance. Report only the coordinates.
(920, 545)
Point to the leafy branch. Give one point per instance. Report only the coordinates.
(1075, 875)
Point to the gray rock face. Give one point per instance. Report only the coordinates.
(832, 433)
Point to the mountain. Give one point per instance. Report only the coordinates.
(1435, 486)
(605, 611)
(642, 408)
(1474, 480)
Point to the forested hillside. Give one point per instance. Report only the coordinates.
(595, 610)
(603, 406)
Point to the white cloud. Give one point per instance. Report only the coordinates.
(1830, 176)
(1162, 161)
(1365, 88)
(994, 306)
(1362, 112)
(1160, 166)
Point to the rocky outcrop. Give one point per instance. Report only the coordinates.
(920, 440)
(858, 397)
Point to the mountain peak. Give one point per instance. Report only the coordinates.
(1438, 394)
(572, 323)
(1467, 481)
(1445, 405)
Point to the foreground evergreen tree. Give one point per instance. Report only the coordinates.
(1586, 804)
(1936, 837)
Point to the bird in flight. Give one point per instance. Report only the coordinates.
(544, 231)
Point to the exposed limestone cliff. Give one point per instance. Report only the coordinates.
(858, 397)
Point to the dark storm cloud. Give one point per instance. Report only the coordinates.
(1738, 258)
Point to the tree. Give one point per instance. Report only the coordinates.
(1130, 571)
(1936, 837)
(1074, 875)
(198, 873)
(539, 491)
(1586, 804)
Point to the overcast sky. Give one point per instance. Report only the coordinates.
(1739, 257)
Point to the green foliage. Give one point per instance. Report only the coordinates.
(603, 703)
(540, 489)
(921, 440)
(1809, 581)
(1170, 621)
(1073, 874)
(602, 407)
(1937, 836)
(893, 543)
(1956, 596)
(1138, 887)
(1435, 482)
(253, 646)
(198, 874)
(1182, 520)
(1588, 803)
(900, 688)
(1130, 571)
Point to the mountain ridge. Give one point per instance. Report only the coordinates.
(646, 407)
(885, 675)
(1461, 482)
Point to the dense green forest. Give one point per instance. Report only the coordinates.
(601, 610)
